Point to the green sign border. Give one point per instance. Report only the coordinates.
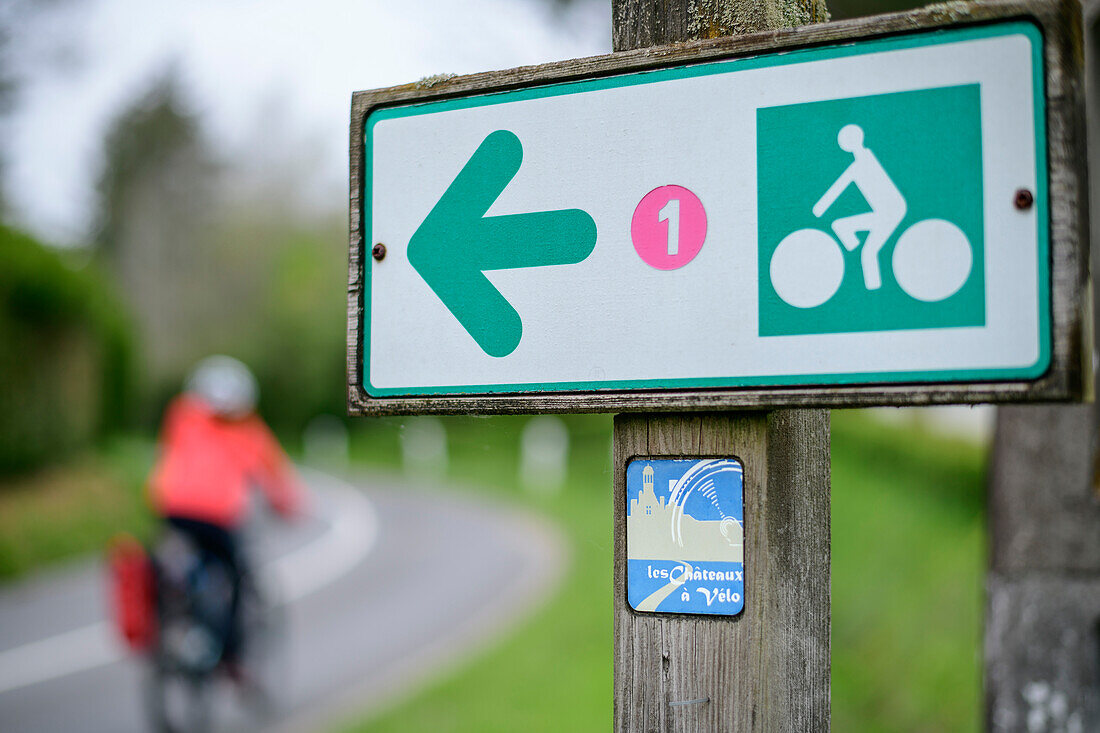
(916, 40)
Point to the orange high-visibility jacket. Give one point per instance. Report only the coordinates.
(207, 465)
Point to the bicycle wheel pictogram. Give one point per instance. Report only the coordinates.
(807, 268)
(932, 260)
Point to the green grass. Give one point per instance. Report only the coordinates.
(908, 556)
(74, 507)
(556, 673)
(908, 562)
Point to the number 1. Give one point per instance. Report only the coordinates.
(671, 214)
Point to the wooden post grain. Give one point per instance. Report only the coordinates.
(768, 668)
(1042, 634)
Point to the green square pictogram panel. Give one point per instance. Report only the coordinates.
(909, 186)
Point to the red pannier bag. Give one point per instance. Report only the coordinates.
(132, 591)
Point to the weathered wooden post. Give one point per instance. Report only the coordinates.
(1042, 632)
(767, 668)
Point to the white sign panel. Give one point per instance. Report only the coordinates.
(866, 213)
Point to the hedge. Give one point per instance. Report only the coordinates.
(66, 354)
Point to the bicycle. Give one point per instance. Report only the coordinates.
(187, 657)
(932, 258)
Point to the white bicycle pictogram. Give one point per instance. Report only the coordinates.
(931, 261)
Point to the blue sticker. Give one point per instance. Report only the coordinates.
(685, 536)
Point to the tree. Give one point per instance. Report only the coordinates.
(157, 195)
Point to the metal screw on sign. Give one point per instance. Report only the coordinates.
(1024, 199)
(378, 252)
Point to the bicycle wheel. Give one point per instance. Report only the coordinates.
(261, 624)
(932, 260)
(178, 701)
(186, 652)
(807, 268)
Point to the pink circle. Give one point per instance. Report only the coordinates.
(668, 227)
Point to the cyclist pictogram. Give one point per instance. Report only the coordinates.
(931, 260)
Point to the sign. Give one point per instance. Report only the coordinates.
(870, 213)
(685, 536)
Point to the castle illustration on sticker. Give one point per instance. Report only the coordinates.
(685, 536)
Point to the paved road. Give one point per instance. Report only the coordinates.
(382, 589)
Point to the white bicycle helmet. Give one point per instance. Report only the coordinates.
(225, 384)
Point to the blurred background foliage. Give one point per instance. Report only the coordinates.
(97, 339)
(66, 354)
(208, 269)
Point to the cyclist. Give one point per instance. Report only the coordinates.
(213, 450)
(887, 204)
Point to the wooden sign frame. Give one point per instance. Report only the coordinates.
(1069, 376)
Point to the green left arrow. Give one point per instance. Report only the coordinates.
(457, 243)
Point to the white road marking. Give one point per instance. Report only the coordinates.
(351, 535)
(66, 653)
